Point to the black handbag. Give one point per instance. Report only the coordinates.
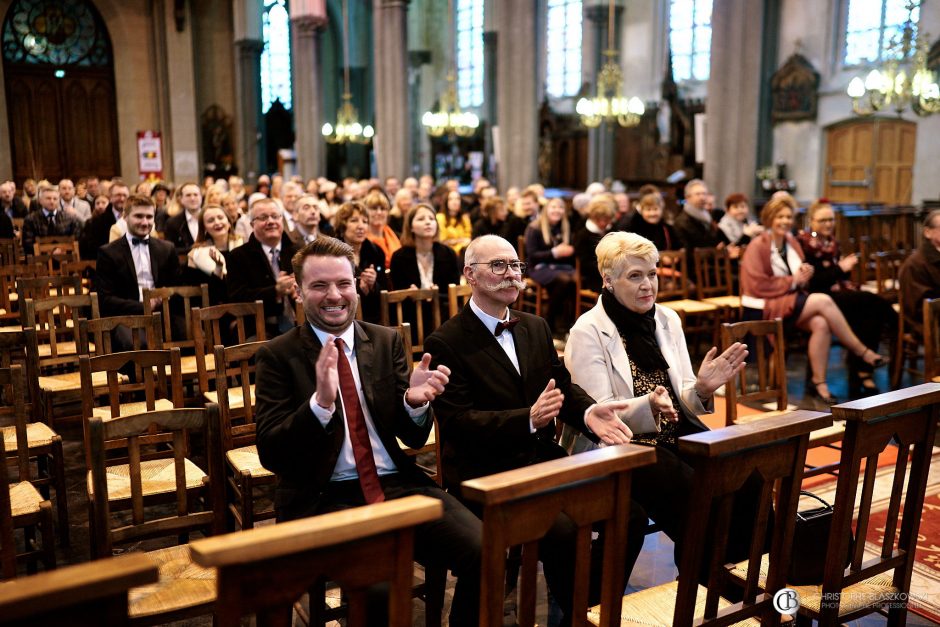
(810, 539)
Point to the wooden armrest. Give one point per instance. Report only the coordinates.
(873, 407)
(522, 482)
(47, 591)
(315, 532)
(753, 434)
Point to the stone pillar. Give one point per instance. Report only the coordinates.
(182, 151)
(600, 139)
(392, 143)
(248, 106)
(490, 46)
(516, 94)
(306, 78)
(734, 89)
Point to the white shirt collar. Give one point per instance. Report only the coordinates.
(130, 238)
(488, 321)
(348, 335)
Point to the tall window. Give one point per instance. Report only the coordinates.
(470, 52)
(872, 27)
(690, 39)
(563, 48)
(275, 57)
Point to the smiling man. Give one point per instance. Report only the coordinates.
(333, 395)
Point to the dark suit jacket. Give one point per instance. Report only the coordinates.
(250, 277)
(6, 226)
(177, 233)
(96, 234)
(292, 442)
(116, 276)
(36, 225)
(484, 411)
(17, 207)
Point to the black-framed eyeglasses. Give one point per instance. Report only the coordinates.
(500, 266)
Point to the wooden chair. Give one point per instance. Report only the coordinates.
(85, 595)
(764, 339)
(697, 316)
(585, 298)
(10, 303)
(184, 589)
(46, 286)
(263, 571)
(416, 297)
(94, 336)
(52, 262)
(21, 504)
(457, 298)
(887, 265)
(932, 340)
(772, 451)
(909, 346)
(875, 578)
(519, 507)
(234, 383)
(84, 268)
(714, 282)
(10, 252)
(56, 245)
(245, 319)
(183, 337)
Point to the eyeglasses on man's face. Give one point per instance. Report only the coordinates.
(267, 217)
(500, 266)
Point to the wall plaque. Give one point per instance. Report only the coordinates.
(794, 89)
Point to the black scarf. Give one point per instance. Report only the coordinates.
(639, 332)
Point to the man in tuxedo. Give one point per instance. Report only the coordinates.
(261, 268)
(333, 395)
(97, 230)
(506, 388)
(181, 230)
(48, 219)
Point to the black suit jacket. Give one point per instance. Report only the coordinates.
(96, 234)
(484, 411)
(17, 208)
(36, 225)
(6, 226)
(116, 275)
(177, 233)
(250, 277)
(294, 445)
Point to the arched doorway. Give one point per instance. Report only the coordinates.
(870, 160)
(58, 67)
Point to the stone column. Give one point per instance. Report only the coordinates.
(600, 139)
(490, 46)
(734, 89)
(392, 143)
(182, 159)
(306, 78)
(248, 106)
(516, 94)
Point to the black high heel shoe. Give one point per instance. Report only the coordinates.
(879, 360)
(813, 392)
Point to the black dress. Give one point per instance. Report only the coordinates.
(371, 255)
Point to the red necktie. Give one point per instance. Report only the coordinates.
(358, 434)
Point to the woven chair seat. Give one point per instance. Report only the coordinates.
(724, 301)
(871, 592)
(37, 434)
(182, 584)
(62, 348)
(829, 435)
(689, 306)
(158, 476)
(236, 398)
(129, 409)
(24, 498)
(245, 459)
(188, 364)
(657, 606)
(428, 446)
(72, 381)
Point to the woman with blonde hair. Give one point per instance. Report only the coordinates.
(550, 256)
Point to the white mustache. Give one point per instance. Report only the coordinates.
(519, 285)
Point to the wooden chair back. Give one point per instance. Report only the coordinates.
(13, 396)
(906, 419)
(56, 245)
(52, 262)
(56, 320)
(887, 272)
(764, 379)
(264, 570)
(46, 286)
(179, 423)
(235, 370)
(188, 294)
(931, 339)
(772, 453)
(245, 319)
(95, 335)
(519, 507)
(673, 281)
(10, 304)
(457, 297)
(84, 595)
(712, 272)
(585, 298)
(12, 385)
(17, 346)
(397, 299)
(84, 268)
(10, 252)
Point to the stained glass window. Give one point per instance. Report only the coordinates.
(55, 32)
(470, 52)
(690, 39)
(275, 57)
(563, 48)
(874, 29)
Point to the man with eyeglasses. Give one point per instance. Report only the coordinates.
(261, 269)
(507, 387)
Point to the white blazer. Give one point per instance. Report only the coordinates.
(598, 362)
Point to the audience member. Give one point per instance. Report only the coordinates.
(97, 230)
(920, 276)
(182, 228)
(261, 268)
(92, 189)
(206, 261)
(351, 225)
(161, 202)
(307, 222)
(380, 233)
(29, 198)
(11, 204)
(492, 220)
(6, 226)
(600, 215)
(737, 224)
(290, 192)
(550, 256)
(454, 222)
(696, 227)
(402, 202)
(48, 220)
(69, 203)
(648, 222)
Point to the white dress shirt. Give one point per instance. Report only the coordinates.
(141, 255)
(504, 339)
(192, 221)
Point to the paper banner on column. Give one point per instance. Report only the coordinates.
(149, 155)
(701, 124)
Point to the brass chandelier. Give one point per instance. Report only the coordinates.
(347, 129)
(449, 119)
(608, 105)
(904, 80)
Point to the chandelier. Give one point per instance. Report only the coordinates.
(449, 119)
(348, 129)
(608, 105)
(903, 81)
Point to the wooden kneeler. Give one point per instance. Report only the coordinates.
(262, 571)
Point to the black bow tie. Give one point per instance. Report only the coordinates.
(507, 325)
(137, 240)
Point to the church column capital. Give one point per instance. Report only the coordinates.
(308, 25)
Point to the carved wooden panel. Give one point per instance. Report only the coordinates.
(870, 161)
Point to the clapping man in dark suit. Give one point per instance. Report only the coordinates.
(333, 395)
(507, 387)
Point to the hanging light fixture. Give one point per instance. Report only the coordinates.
(903, 81)
(608, 105)
(348, 128)
(449, 119)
